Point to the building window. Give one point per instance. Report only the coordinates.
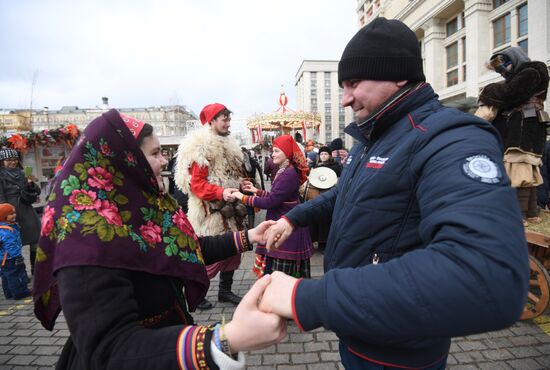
(522, 20)
(501, 30)
(497, 3)
(452, 55)
(522, 28)
(452, 27)
(524, 44)
(464, 59)
(452, 64)
(452, 77)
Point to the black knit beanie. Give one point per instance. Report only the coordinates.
(325, 149)
(383, 50)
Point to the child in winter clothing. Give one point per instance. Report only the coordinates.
(14, 275)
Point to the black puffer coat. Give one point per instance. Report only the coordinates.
(527, 83)
(12, 183)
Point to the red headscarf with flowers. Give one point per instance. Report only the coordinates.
(294, 154)
(106, 210)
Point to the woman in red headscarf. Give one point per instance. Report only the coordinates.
(292, 257)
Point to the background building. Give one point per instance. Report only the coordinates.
(457, 37)
(14, 121)
(170, 120)
(317, 90)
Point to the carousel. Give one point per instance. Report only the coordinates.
(283, 121)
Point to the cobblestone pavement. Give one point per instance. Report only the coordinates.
(24, 344)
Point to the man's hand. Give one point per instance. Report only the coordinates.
(258, 234)
(228, 194)
(251, 328)
(277, 297)
(278, 233)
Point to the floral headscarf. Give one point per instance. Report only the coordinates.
(106, 210)
(294, 154)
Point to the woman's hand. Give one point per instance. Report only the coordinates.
(252, 329)
(248, 187)
(258, 234)
(237, 195)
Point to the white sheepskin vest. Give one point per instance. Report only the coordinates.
(224, 160)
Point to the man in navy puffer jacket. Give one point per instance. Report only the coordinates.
(426, 241)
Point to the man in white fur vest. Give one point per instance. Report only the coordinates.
(209, 169)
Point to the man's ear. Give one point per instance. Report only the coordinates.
(401, 83)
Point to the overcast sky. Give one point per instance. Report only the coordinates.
(142, 53)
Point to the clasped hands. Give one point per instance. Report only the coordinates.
(260, 319)
(233, 194)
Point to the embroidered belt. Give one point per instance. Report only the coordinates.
(157, 319)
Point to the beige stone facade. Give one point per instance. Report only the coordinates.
(317, 90)
(14, 121)
(457, 37)
(166, 120)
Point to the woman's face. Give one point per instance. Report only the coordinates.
(324, 156)
(278, 156)
(11, 162)
(151, 148)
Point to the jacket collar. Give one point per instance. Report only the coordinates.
(394, 108)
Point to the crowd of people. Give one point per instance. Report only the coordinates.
(423, 234)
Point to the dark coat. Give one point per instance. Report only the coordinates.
(332, 164)
(421, 248)
(518, 127)
(12, 183)
(110, 314)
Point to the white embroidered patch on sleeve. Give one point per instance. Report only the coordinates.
(482, 168)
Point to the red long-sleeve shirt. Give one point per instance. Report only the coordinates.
(200, 185)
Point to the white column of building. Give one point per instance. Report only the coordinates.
(538, 13)
(478, 48)
(434, 52)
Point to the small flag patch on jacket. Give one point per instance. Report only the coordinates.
(376, 162)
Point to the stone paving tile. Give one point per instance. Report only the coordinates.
(499, 365)
(544, 361)
(525, 364)
(21, 360)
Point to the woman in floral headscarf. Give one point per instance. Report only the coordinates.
(292, 257)
(115, 252)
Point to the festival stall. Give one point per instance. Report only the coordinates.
(43, 151)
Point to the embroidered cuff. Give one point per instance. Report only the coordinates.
(261, 193)
(242, 244)
(248, 200)
(193, 348)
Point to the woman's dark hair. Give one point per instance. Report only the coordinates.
(147, 130)
(224, 112)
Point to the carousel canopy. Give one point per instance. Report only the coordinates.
(284, 118)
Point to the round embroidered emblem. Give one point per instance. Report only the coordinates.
(481, 168)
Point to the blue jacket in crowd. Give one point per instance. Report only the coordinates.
(10, 240)
(426, 241)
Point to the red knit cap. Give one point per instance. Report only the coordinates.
(209, 112)
(6, 209)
